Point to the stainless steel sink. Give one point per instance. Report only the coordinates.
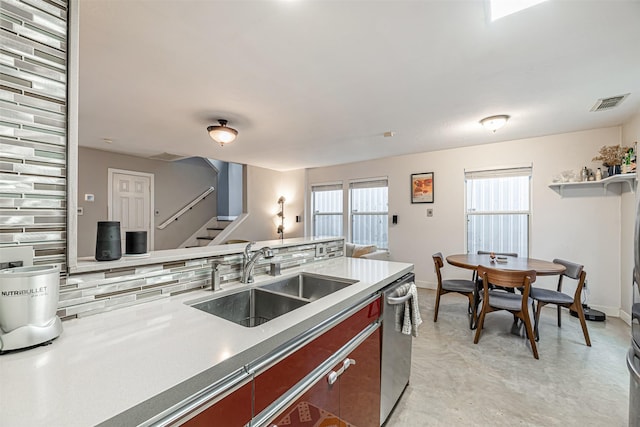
(309, 286)
(252, 307)
(255, 306)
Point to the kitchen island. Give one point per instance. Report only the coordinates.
(125, 366)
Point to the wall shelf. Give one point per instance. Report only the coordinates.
(623, 180)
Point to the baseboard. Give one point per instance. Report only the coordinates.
(426, 285)
(625, 317)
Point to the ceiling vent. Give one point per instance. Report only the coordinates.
(608, 103)
(167, 157)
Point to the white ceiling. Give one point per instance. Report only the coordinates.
(314, 83)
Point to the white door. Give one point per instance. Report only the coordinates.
(131, 202)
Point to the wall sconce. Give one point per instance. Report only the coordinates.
(280, 229)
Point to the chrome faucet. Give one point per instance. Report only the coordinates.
(249, 261)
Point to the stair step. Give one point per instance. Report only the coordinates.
(215, 228)
(205, 238)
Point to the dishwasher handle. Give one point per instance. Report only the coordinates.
(398, 300)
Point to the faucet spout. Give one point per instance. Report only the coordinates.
(251, 260)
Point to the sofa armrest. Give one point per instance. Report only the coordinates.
(379, 255)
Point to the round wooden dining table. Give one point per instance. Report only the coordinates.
(472, 261)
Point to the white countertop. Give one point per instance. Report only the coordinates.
(89, 264)
(103, 365)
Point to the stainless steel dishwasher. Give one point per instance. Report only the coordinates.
(396, 349)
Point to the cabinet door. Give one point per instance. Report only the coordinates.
(319, 406)
(274, 382)
(360, 385)
(351, 399)
(233, 410)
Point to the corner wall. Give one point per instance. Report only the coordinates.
(264, 188)
(630, 135)
(584, 228)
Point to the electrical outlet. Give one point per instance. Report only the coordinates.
(430, 212)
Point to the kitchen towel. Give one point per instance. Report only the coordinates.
(408, 314)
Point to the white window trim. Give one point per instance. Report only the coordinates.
(529, 213)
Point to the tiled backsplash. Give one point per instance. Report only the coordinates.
(33, 128)
(91, 293)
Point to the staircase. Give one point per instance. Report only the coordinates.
(212, 232)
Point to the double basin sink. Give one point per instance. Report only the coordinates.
(257, 305)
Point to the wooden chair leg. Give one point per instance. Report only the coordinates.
(583, 322)
(472, 308)
(435, 315)
(527, 324)
(479, 327)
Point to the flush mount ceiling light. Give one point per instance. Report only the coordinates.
(222, 134)
(493, 123)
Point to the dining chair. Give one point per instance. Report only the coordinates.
(517, 304)
(460, 286)
(548, 296)
(475, 272)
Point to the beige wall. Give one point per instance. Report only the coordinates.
(583, 227)
(176, 184)
(264, 188)
(630, 135)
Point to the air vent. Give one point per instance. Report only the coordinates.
(167, 157)
(608, 103)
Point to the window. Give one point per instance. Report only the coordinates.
(370, 212)
(327, 209)
(498, 210)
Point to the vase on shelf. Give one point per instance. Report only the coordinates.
(613, 170)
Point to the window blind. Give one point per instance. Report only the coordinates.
(375, 183)
(326, 187)
(498, 173)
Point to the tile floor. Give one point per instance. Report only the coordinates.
(497, 382)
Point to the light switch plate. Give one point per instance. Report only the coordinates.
(321, 250)
(89, 197)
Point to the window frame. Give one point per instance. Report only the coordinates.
(338, 185)
(362, 183)
(499, 172)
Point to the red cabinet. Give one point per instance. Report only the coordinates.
(360, 385)
(233, 410)
(278, 379)
(352, 400)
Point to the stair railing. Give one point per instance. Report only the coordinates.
(186, 208)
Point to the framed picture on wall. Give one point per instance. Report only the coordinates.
(422, 187)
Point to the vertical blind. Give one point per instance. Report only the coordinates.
(327, 209)
(370, 212)
(498, 210)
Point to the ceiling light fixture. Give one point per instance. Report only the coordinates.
(222, 134)
(493, 123)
